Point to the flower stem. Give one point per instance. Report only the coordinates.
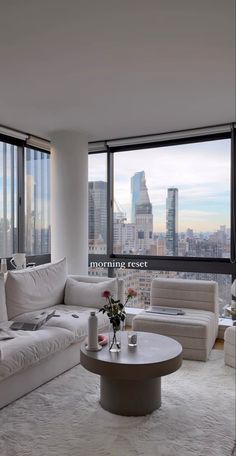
(113, 340)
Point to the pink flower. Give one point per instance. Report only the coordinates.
(132, 293)
(106, 294)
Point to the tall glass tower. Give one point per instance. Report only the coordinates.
(143, 221)
(136, 183)
(97, 210)
(172, 222)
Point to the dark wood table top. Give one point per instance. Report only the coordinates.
(154, 356)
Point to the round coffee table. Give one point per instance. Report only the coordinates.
(131, 379)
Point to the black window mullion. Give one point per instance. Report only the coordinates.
(35, 162)
(21, 199)
(109, 203)
(12, 169)
(233, 197)
(4, 183)
(42, 199)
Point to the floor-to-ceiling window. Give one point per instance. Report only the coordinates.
(37, 202)
(97, 193)
(97, 209)
(8, 199)
(170, 209)
(173, 200)
(24, 200)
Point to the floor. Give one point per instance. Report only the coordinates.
(219, 344)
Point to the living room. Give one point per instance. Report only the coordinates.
(117, 180)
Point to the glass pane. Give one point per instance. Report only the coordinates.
(37, 202)
(97, 203)
(141, 280)
(8, 200)
(173, 200)
(98, 272)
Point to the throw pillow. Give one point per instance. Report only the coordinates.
(35, 288)
(88, 294)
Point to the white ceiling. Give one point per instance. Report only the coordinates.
(116, 68)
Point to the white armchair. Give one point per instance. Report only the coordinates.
(197, 328)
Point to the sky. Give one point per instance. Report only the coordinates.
(200, 171)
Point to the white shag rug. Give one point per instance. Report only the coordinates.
(64, 418)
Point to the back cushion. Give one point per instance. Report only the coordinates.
(3, 309)
(36, 288)
(194, 294)
(88, 294)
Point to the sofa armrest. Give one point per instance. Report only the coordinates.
(94, 279)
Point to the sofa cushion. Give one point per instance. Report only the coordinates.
(190, 294)
(30, 347)
(88, 294)
(194, 323)
(3, 309)
(196, 330)
(77, 326)
(35, 288)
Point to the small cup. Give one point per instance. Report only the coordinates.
(132, 339)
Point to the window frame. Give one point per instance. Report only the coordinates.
(96, 152)
(21, 145)
(171, 263)
(43, 258)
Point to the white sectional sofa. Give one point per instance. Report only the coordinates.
(35, 357)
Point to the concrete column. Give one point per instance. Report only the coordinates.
(69, 200)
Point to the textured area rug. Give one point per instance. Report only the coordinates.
(64, 418)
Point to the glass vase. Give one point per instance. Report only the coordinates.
(114, 340)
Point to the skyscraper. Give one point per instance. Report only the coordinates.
(172, 222)
(136, 181)
(143, 220)
(97, 210)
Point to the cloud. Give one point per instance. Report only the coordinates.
(206, 162)
(194, 214)
(97, 167)
(201, 172)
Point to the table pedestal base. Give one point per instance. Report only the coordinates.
(130, 397)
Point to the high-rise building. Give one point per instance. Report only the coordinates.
(143, 221)
(123, 233)
(136, 181)
(189, 233)
(172, 222)
(97, 210)
(123, 236)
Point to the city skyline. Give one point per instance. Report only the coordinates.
(201, 172)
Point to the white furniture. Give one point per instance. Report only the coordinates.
(224, 323)
(131, 380)
(230, 346)
(35, 357)
(197, 329)
(131, 312)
